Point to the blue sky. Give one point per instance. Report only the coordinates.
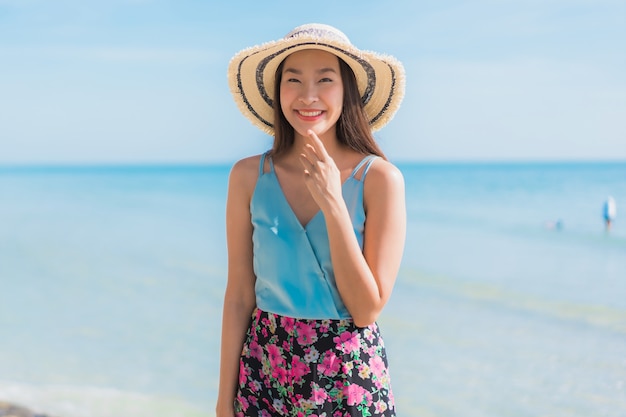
(144, 81)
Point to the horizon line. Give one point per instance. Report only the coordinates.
(60, 165)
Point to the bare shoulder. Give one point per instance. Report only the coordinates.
(246, 169)
(245, 172)
(383, 188)
(382, 175)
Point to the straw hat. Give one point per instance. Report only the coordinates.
(251, 72)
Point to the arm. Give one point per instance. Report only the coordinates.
(364, 279)
(239, 298)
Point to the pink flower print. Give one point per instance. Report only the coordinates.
(369, 335)
(382, 382)
(348, 342)
(372, 351)
(339, 387)
(378, 384)
(306, 333)
(266, 379)
(288, 324)
(275, 356)
(244, 402)
(368, 397)
(253, 400)
(255, 386)
(354, 394)
(347, 368)
(377, 366)
(319, 395)
(297, 399)
(280, 374)
(330, 364)
(256, 351)
(244, 372)
(344, 336)
(298, 369)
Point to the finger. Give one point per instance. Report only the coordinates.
(306, 164)
(318, 145)
(308, 152)
(305, 161)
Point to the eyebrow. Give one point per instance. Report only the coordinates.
(320, 71)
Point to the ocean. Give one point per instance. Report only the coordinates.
(511, 299)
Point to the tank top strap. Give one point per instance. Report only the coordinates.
(367, 161)
(262, 163)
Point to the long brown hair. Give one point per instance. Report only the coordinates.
(353, 128)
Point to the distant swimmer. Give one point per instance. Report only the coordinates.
(555, 225)
(609, 212)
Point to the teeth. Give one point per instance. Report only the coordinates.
(310, 113)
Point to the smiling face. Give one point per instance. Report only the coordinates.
(311, 91)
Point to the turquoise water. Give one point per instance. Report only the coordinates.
(111, 281)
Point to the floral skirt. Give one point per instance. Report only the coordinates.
(300, 367)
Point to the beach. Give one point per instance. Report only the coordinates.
(112, 281)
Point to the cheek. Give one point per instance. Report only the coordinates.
(338, 100)
(286, 97)
(339, 97)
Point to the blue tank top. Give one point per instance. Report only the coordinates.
(294, 272)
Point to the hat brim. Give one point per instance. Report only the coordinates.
(251, 73)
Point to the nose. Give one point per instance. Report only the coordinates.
(308, 94)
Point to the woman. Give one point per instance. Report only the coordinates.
(315, 231)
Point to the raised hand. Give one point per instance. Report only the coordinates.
(321, 175)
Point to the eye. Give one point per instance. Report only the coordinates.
(326, 80)
(292, 80)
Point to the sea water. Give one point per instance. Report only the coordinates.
(511, 299)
